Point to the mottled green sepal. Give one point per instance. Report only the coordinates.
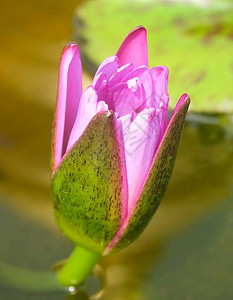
(158, 177)
(87, 187)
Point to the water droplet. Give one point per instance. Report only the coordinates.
(72, 289)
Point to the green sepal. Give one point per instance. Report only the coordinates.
(87, 186)
(156, 183)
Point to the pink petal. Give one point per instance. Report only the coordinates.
(87, 110)
(160, 79)
(184, 98)
(102, 89)
(108, 66)
(147, 83)
(99, 80)
(136, 72)
(124, 123)
(140, 142)
(126, 97)
(120, 74)
(163, 105)
(134, 48)
(145, 155)
(101, 106)
(69, 93)
(182, 107)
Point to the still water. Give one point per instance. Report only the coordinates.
(184, 253)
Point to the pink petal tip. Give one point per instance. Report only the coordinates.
(134, 48)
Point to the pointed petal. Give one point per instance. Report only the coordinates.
(88, 186)
(134, 48)
(69, 93)
(156, 180)
(108, 66)
(87, 110)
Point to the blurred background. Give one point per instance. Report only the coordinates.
(186, 251)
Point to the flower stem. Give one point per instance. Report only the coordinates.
(78, 267)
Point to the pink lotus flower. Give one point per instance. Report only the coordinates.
(113, 147)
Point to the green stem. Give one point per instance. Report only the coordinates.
(28, 280)
(78, 267)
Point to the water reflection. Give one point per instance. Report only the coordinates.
(80, 295)
(197, 263)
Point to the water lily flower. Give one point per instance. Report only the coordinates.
(113, 151)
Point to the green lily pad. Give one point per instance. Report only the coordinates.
(194, 42)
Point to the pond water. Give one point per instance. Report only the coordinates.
(184, 253)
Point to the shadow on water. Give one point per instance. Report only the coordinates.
(190, 229)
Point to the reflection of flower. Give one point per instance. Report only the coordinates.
(113, 148)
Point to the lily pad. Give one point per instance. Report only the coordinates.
(195, 42)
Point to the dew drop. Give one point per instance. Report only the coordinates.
(72, 289)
